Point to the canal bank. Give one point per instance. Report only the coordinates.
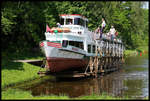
(19, 71)
(138, 51)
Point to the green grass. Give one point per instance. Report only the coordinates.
(16, 72)
(19, 94)
(24, 72)
(130, 52)
(15, 94)
(136, 51)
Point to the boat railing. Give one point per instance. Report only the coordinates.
(106, 37)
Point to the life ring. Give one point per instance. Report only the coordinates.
(66, 30)
(60, 30)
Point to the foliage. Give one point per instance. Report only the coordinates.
(24, 22)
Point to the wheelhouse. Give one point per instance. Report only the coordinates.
(73, 19)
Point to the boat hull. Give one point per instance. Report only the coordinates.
(61, 64)
(60, 59)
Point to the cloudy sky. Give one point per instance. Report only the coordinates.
(146, 5)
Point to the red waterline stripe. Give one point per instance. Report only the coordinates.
(53, 42)
(57, 45)
(53, 45)
(48, 43)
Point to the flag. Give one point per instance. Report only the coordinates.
(48, 29)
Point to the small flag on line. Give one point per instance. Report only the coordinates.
(48, 29)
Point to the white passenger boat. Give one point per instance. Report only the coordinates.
(70, 45)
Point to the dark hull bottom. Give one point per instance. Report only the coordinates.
(61, 64)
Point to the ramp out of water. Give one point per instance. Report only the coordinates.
(36, 62)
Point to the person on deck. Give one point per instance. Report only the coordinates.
(97, 30)
(102, 27)
(112, 32)
(58, 25)
(103, 24)
(70, 22)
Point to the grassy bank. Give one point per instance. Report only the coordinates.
(16, 72)
(22, 72)
(19, 94)
(137, 51)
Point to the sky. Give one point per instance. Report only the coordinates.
(146, 6)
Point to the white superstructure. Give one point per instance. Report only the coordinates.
(72, 40)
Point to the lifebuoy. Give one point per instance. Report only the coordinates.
(59, 30)
(65, 29)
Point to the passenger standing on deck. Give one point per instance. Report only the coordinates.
(58, 25)
(102, 27)
(112, 32)
(97, 30)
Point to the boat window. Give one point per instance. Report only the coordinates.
(65, 43)
(81, 45)
(78, 21)
(62, 21)
(71, 43)
(93, 48)
(76, 44)
(89, 48)
(69, 21)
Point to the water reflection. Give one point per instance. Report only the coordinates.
(120, 83)
(82, 87)
(111, 84)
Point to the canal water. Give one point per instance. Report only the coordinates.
(131, 81)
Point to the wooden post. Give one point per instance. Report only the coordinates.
(91, 65)
(96, 66)
(96, 63)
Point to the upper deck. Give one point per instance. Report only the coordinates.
(72, 26)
